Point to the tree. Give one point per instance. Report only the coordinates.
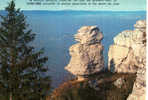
(21, 66)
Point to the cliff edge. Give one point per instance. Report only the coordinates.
(128, 55)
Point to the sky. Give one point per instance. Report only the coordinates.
(122, 5)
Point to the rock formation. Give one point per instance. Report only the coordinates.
(87, 54)
(128, 55)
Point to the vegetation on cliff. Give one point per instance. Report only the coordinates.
(107, 90)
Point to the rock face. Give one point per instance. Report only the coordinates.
(139, 88)
(88, 35)
(119, 82)
(128, 52)
(87, 54)
(128, 55)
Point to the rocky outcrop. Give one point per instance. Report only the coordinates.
(128, 52)
(139, 88)
(87, 54)
(128, 55)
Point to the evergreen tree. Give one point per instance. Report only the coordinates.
(21, 66)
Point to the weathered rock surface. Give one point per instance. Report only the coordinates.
(87, 54)
(139, 88)
(128, 55)
(88, 35)
(128, 52)
(119, 82)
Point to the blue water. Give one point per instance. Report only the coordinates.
(55, 32)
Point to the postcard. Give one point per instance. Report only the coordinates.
(73, 50)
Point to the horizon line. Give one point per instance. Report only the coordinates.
(88, 10)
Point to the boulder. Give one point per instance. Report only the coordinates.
(87, 54)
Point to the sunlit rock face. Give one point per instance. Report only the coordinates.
(87, 54)
(128, 55)
(88, 35)
(128, 52)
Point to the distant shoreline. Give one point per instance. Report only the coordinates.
(92, 11)
(59, 12)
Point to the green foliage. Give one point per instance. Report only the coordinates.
(21, 67)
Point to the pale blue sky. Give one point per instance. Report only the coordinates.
(125, 5)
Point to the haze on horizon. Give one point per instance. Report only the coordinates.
(125, 5)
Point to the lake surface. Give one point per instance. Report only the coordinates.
(55, 32)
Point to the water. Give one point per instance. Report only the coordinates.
(55, 32)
